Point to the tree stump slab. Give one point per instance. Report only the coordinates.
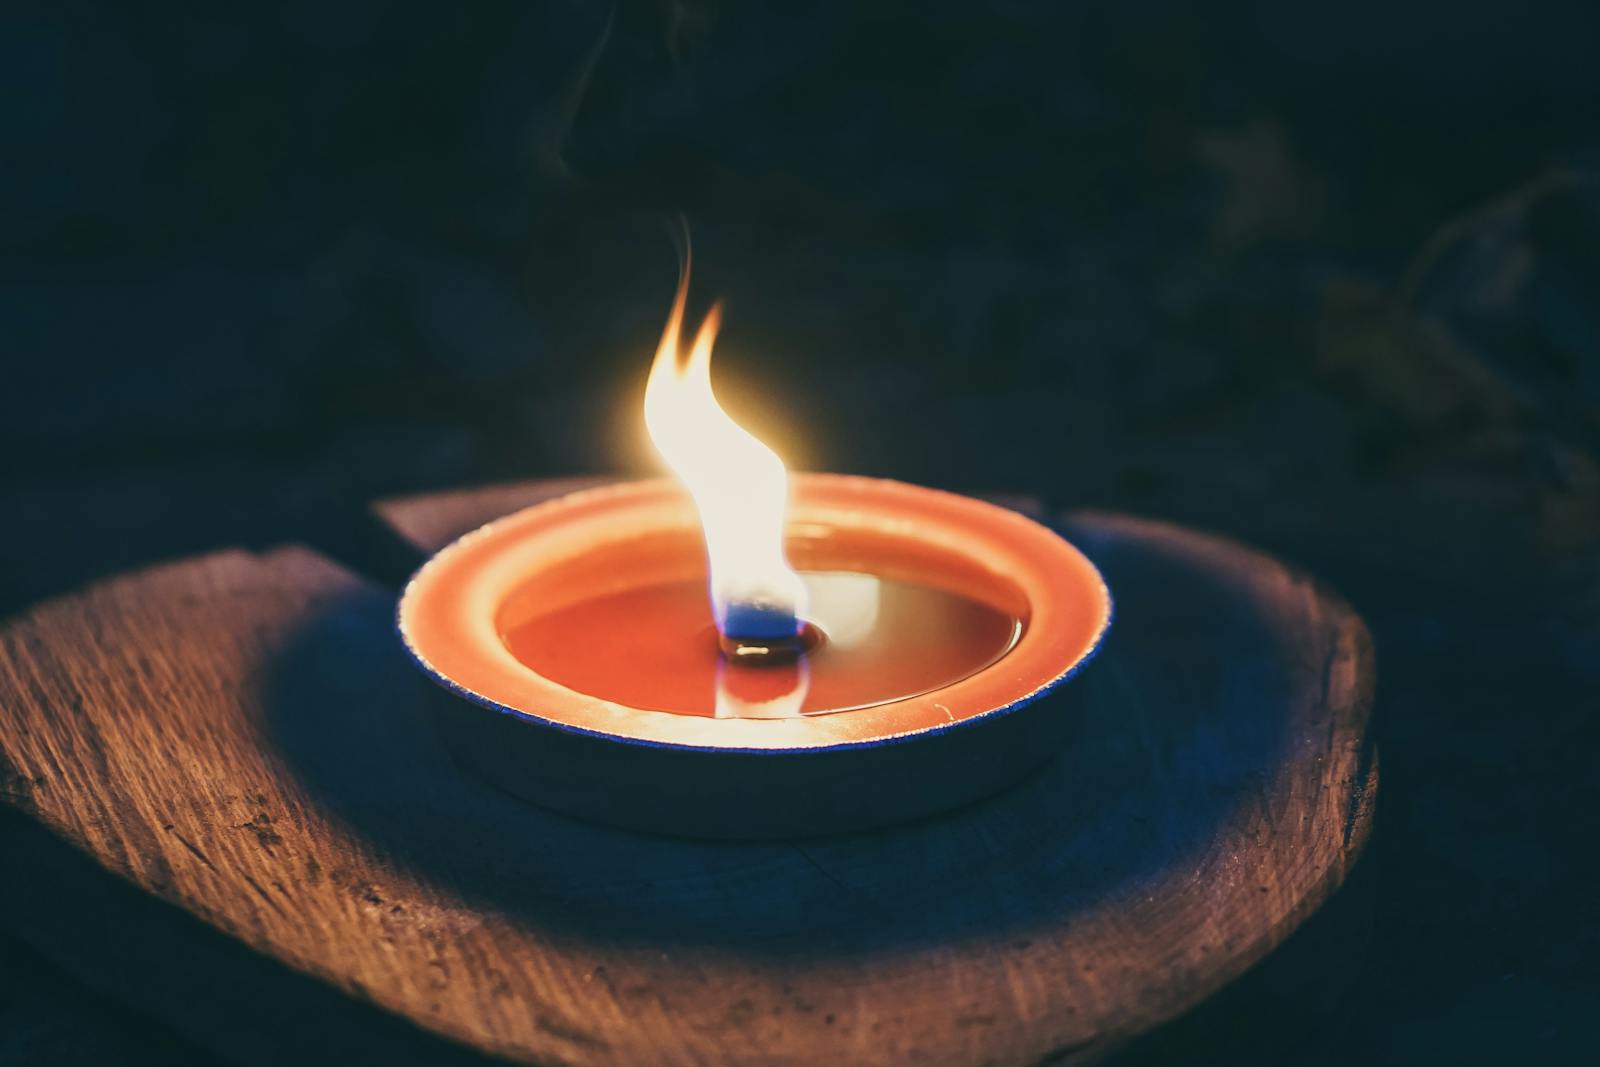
(240, 741)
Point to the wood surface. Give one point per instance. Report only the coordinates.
(432, 521)
(240, 737)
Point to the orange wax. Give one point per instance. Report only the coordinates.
(653, 646)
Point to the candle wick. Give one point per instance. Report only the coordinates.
(770, 651)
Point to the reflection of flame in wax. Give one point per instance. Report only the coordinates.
(776, 692)
(739, 485)
(844, 604)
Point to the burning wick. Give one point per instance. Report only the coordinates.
(741, 491)
(769, 652)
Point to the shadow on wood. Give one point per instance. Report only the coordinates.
(1184, 721)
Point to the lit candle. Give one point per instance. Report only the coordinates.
(869, 650)
(740, 489)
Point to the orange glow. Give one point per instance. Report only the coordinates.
(739, 485)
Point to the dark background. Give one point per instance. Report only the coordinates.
(1322, 276)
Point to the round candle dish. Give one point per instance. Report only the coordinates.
(576, 644)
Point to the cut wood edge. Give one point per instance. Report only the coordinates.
(90, 912)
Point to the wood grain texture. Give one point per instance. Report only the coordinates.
(241, 737)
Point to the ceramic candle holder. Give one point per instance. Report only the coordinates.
(581, 667)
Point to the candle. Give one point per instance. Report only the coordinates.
(741, 653)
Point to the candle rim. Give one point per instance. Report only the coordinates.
(828, 738)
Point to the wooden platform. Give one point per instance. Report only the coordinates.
(301, 871)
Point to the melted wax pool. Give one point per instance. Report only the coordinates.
(654, 647)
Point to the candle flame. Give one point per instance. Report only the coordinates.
(739, 485)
